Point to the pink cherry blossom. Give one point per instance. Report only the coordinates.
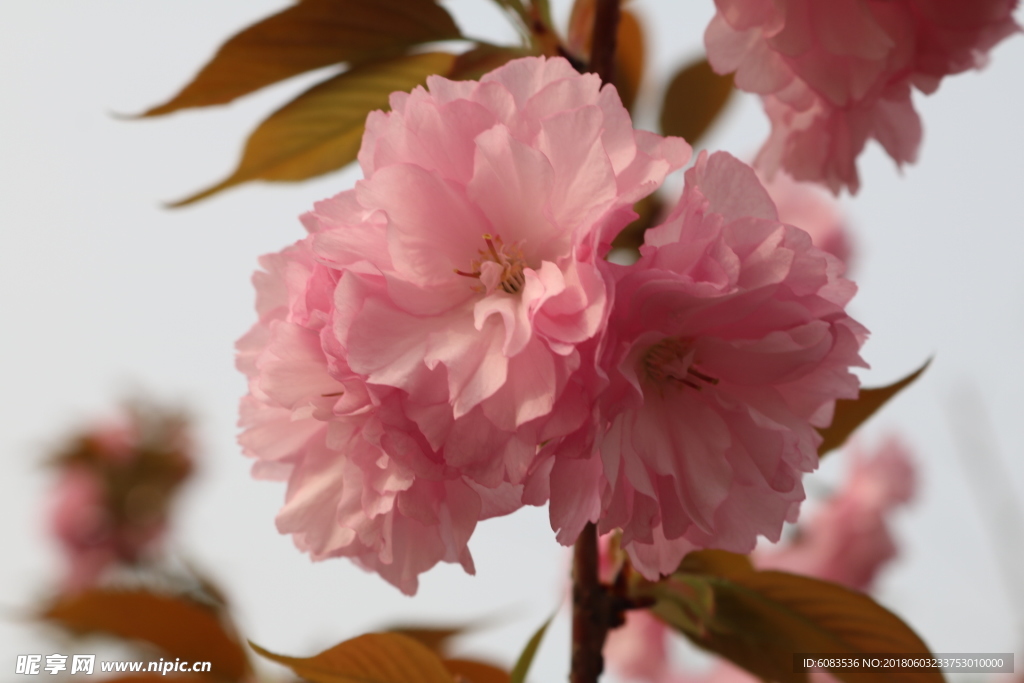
(115, 486)
(813, 210)
(727, 345)
(415, 349)
(80, 522)
(350, 456)
(846, 541)
(835, 73)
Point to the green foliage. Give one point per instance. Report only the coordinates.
(695, 97)
(851, 414)
(522, 666)
(759, 619)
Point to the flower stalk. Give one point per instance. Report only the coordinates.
(594, 610)
(604, 40)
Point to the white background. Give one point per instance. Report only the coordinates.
(103, 292)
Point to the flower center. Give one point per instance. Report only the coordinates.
(499, 266)
(672, 359)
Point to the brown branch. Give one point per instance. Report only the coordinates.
(604, 39)
(593, 610)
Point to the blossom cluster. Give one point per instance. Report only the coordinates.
(117, 481)
(448, 342)
(846, 541)
(834, 74)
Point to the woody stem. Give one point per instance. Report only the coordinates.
(604, 38)
(593, 610)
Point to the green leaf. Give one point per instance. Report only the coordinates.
(685, 602)
(470, 671)
(370, 658)
(694, 99)
(759, 619)
(522, 666)
(310, 35)
(321, 130)
(851, 414)
(180, 628)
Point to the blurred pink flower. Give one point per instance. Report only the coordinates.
(834, 74)
(727, 345)
(813, 210)
(80, 522)
(847, 541)
(114, 490)
(415, 349)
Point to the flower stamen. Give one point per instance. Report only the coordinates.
(672, 359)
(511, 278)
(701, 376)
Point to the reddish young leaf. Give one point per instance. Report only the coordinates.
(629, 58)
(435, 639)
(474, 63)
(469, 671)
(629, 49)
(581, 26)
(759, 619)
(515, 7)
(694, 99)
(370, 658)
(178, 627)
(851, 414)
(160, 678)
(310, 35)
(321, 129)
(543, 11)
(716, 563)
(649, 209)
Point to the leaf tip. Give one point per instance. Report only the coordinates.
(202, 194)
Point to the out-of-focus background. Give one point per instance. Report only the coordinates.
(103, 293)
